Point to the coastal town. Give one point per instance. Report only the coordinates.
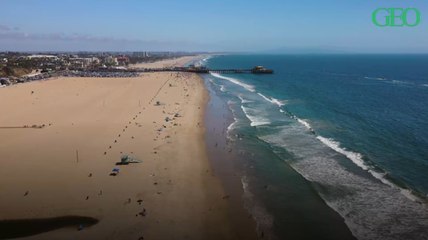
(213, 120)
(24, 67)
(19, 67)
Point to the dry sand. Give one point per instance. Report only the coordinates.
(175, 62)
(100, 119)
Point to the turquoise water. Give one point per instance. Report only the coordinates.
(354, 126)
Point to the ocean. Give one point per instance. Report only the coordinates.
(328, 145)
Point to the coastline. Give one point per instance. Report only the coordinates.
(280, 201)
(63, 169)
(307, 178)
(225, 166)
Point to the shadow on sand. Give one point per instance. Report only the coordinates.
(27, 227)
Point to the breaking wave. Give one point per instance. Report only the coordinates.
(304, 123)
(235, 81)
(272, 100)
(255, 119)
(376, 78)
(356, 158)
(367, 205)
(244, 100)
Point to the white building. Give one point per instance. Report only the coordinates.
(110, 61)
(81, 62)
(43, 56)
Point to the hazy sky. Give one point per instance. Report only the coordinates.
(207, 25)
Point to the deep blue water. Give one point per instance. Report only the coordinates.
(355, 126)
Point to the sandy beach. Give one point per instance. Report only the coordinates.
(174, 62)
(62, 166)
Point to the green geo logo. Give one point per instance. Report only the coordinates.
(396, 17)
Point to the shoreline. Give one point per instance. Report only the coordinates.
(64, 168)
(224, 165)
(282, 203)
(310, 183)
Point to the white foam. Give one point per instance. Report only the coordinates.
(400, 82)
(255, 120)
(244, 100)
(381, 177)
(375, 78)
(301, 121)
(235, 81)
(371, 209)
(272, 100)
(424, 85)
(235, 122)
(207, 58)
(263, 96)
(356, 158)
(278, 102)
(244, 183)
(410, 195)
(222, 88)
(232, 125)
(304, 123)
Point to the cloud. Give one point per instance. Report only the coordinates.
(8, 33)
(13, 39)
(61, 37)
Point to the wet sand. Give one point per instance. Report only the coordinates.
(264, 191)
(63, 168)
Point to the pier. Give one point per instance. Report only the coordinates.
(193, 69)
